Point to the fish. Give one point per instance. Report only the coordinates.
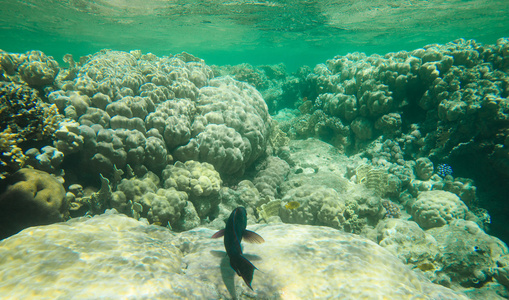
(233, 233)
(292, 205)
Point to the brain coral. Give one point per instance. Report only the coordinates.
(30, 197)
(437, 208)
(131, 259)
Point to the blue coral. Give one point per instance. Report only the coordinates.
(444, 170)
(392, 210)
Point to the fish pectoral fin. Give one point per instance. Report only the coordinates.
(218, 234)
(252, 237)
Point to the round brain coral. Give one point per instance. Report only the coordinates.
(437, 208)
(31, 197)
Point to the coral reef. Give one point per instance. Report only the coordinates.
(141, 111)
(369, 149)
(424, 168)
(33, 68)
(391, 209)
(273, 172)
(233, 127)
(468, 255)
(459, 254)
(278, 88)
(411, 244)
(317, 205)
(437, 208)
(143, 197)
(37, 69)
(23, 117)
(30, 197)
(200, 181)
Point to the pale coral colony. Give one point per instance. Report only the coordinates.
(362, 144)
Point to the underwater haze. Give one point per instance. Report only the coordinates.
(257, 32)
(249, 149)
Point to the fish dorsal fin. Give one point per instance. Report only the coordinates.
(252, 237)
(218, 234)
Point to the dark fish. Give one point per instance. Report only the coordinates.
(233, 233)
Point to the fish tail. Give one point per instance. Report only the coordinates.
(244, 268)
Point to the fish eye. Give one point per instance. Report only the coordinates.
(479, 250)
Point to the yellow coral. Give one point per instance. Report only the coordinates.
(375, 179)
(51, 120)
(270, 209)
(11, 156)
(278, 138)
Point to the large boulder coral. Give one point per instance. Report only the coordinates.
(132, 259)
(172, 120)
(232, 129)
(411, 244)
(273, 172)
(313, 205)
(130, 107)
(468, 255)
(29, 198)
(437, 208)
(37, 69)
(131, 110)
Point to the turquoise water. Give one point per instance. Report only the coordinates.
(394, 164)
(258, 32)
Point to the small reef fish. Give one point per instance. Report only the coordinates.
(292, 205)
(233, 233)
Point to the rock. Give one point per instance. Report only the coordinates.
(114, 256)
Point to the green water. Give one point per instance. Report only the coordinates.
(294, 32)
